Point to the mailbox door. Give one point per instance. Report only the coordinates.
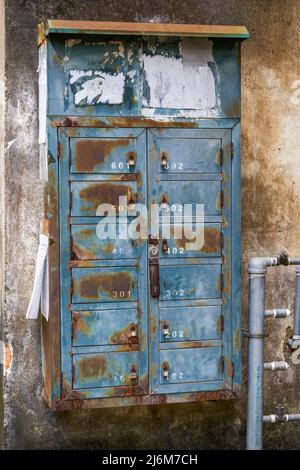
(103, 277)
(112, 315)
(190, 310)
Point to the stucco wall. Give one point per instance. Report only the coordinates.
(271, 184)
(2, 99)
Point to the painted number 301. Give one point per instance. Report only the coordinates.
(121, 293)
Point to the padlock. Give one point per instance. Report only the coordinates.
(165, 372)
(133, 331)
(133, 374)
(166, 331)
(164, 203)
(131, 159)
(131, 202)
(165, 247)
(163, 160)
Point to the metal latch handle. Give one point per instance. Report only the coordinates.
(154, 267)
(154, 277)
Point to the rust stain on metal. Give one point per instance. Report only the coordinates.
(219, 200)
(80, 323)
(212, 238)
(218, 159)
(228, 366)
(104, 193)
(226, 199)
(219, 324)
(153, 324)
(112, 122)
(80, 252)
(233, 110)
(237, 340)
(106, 282)
(122, 396)
(92, 152)
(50, 338)
(124, 336)
(195, 344)
(92, 367)
(139, 178)
(128, 177)
(70, 399)
(107, 248)
(227, 286)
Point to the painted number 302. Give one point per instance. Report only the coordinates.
(175, 293)
(174, 166)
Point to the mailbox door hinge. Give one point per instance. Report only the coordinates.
(222, 362)
(74, 257)
(222, 199)
(222, 240)
(231, 150)
(221, 156)
(232, 370)
(58, 150)
(61, 384)
(73, 374)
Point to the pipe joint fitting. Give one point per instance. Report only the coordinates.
(259, 265)
(277, 313)
(283, 259)
(276, 365)
(294, 342)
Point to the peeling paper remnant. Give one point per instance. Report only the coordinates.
(7, 358)
(95, 87)
(184, 82)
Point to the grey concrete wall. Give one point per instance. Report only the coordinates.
(271, 209)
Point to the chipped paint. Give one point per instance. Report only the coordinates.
(93, 87)
(8, 358)
(187, 81)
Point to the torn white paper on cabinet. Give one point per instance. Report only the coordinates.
(39, 288)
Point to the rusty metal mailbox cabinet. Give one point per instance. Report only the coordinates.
(134, 117)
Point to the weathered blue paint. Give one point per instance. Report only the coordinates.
(88, 196)
(191, 365)
(104, 370)
(190, 323)
(86, 245)
(114, 284)
(187, 277)
(110, 124)
(81, 72)
(96, 327)
(176, 247)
